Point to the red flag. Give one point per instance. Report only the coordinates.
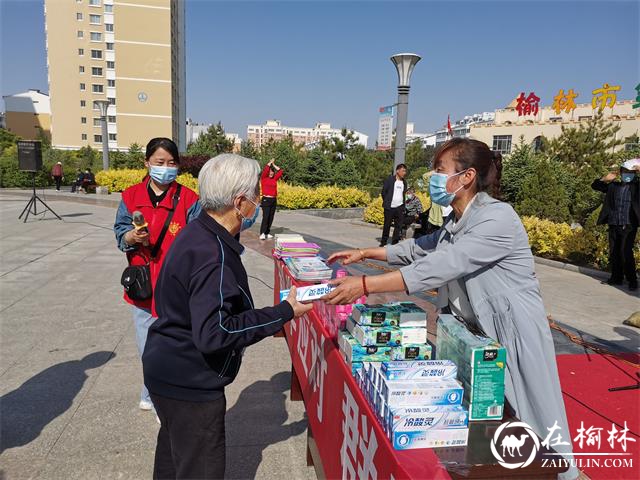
(449, 130)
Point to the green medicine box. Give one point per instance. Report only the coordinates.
(481, 365)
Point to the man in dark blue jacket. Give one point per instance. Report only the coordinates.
(206, 317)
(621, 212)
(393, 192)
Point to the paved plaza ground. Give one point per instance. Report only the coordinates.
(69, 369)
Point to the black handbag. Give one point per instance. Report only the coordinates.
(136, 279)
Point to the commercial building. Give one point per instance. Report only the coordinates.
(274, 130)
(128, 53)
(28, 114)
(504, 132)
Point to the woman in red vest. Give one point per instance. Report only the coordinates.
(271, 173)
(154, 198)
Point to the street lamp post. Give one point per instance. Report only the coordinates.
(104, 105)
(405, 63)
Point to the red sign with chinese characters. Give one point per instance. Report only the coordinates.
(350, 441)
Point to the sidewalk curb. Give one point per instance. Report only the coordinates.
(113, 200)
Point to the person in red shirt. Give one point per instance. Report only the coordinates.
(57, 173)
(154, 198)
(271, 173)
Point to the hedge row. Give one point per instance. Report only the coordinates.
(289, 197)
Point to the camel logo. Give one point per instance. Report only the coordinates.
(512, 440)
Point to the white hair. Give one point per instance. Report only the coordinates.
(225, 177)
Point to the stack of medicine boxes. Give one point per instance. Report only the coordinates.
(378, 333)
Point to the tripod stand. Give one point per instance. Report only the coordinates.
(33, 201)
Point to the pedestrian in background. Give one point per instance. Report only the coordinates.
(166, 207)
(57, 173)
(621, 212)
(271, 173)
(393, 191)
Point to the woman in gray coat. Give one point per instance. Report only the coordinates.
(481, 263)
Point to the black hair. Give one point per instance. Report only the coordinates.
(164, 143)
(401, 165)
(469, 153)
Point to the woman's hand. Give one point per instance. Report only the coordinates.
(348, 290)
(299, 309)
(347, 256)
(133, 236)
(609, 177)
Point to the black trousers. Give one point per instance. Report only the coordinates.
(621, 242)
(393, 216)
(268, 205)
(191, 440)
(58, 181)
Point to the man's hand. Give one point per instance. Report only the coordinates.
(348, 290)
(132, 237)
(299, 309)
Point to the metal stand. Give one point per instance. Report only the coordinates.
(33, 202)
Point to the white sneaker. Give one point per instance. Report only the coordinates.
(145, 405)
(263, 236)
(269, 236)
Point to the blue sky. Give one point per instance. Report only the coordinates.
(305, 61)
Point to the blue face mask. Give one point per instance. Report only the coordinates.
(163, 175)
(248, 222)
(628, 177)
(438, 189)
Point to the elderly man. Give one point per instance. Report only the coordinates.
(621, 212)
(206, 317)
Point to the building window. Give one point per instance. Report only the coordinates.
(83, 86)
(109, 46)
(97, 138)
(112, 101)
(78, 16)
(83, 119)
(502, 143)
(96, 106)
(108, 27)
(84, 136)
(582, 118)
(96, 37)
(96, 71)
(111, 64)
(96, 54)
(81, 51)
(80, 34)
(94, 3)
(81, 68)
(111, 83)
(97, 122)
(96, 88)
(111, 118)
(94, 19)
(112, 136)
(108, 8)
(83, 103)
(537, 144)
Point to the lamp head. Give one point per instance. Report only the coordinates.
(405, 63)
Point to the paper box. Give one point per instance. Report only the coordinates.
(425, 370)
(374, 336)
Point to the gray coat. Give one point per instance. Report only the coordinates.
(489, 249)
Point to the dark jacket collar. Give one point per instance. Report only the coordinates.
(221, 232)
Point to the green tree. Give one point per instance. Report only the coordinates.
(287, 155)
(338, 146)
(316, 169)
(542, 195)
(248, 149)
(587, 152)
(517, 168)
(211, 143)
(7, 139)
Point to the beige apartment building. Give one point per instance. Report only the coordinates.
(131, 54)
(28, 114)
(274, 130)
(503, 133)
